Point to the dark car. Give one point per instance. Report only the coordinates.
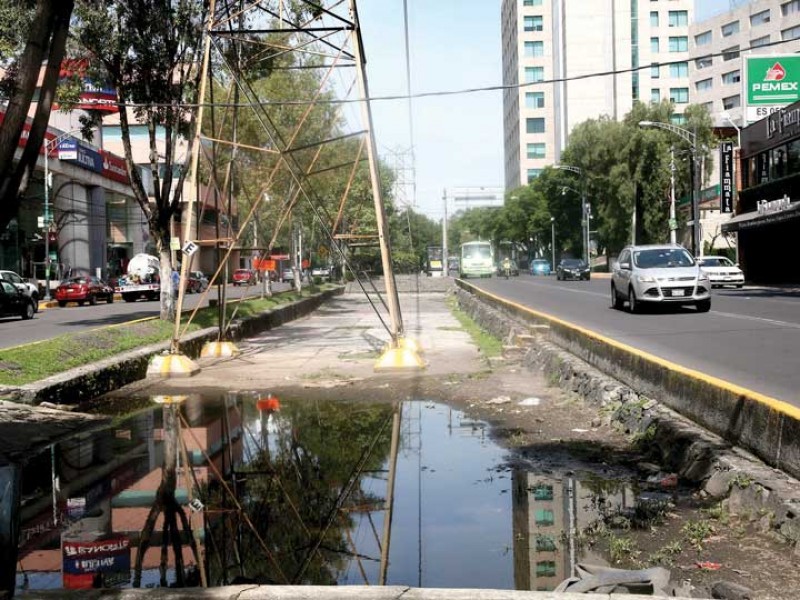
(244, 277)
(14, 302)
(84, 289)
(572, 268)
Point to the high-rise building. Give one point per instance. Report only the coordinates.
(760, 27)
(583, 59)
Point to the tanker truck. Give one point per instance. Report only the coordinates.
(141, 280)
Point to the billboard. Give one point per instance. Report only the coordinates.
(98, 563)
(771, 82)
(726, 177)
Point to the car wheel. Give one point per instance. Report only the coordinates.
(111, 298)
(738, 287)
(92, 299)
(81, 302)
(28, 312)
(703, 306)
(62, 303)
(616, 301)
(633, 303)
(35, 298)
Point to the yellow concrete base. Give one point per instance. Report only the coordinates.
(410, 344)
(172, 366)
(219, 350)
(169, 399)
(402, 358)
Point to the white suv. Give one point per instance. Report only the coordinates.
(665, 274)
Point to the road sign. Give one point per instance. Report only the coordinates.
(189, 248)
(771, 82)
(40, 222)
(174, 244)
(673, 224)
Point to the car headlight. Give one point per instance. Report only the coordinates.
(646, 278)
(703, 276)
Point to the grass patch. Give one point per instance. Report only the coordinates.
(487, 344)
(39, 360)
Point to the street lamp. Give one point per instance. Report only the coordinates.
(553, 245)
(585, 209)
(726, 116)
(48, 144)
(691, 138)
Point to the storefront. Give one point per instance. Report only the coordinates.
(767, 220)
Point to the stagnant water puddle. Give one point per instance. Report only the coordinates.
(293, 491)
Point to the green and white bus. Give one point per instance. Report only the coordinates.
(477, 259)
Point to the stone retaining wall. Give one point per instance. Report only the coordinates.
(695, 454)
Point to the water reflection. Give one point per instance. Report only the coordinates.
(293, 491)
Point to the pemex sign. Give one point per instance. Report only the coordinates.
(771, 82)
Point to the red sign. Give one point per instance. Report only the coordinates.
(114, 167)
(279, 256)
(270, 403)
(264, 264)
(93, 96)
(305, 263)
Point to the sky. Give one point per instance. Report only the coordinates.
(454, 45)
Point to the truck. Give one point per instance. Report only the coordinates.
(141, 280)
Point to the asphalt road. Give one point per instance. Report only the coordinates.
(751, 337)
(72, 318)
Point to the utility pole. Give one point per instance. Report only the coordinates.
(673, 225)
(445, 265)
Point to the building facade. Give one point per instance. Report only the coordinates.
(565, 63)
(718, 44)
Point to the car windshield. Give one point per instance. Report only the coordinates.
(477, 252)
(77, 280)
(717, 262)
(662, 258)
(540, 263)
(572, 262)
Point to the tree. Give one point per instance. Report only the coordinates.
(45, 41)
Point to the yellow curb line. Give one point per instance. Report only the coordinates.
(773, 403)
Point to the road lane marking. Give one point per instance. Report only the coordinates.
(761, 319)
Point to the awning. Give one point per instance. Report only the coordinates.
(751, 220)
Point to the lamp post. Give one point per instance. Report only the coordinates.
(553, 245)
(691, 138)
(48, 144)
(726, 116)
(585, 208)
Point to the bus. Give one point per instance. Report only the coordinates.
(477, 259)
(434, 265)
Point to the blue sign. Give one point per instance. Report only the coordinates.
(72, 150)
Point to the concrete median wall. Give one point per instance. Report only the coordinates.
(765, 426)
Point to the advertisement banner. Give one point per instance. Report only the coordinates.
(93, 97)
(99, 563)
(771, 82)
(726, 182)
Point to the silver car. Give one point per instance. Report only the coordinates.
(663, 274)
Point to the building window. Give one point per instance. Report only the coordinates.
(534, 99)
(536, 150)
(678, 119)
(545, 543)
(762, 41)
(655, 71)
(543, 516)
(532, 3)
(704, 85)
(759, 18)
(534, 74)
(680, 69)
(678, 43)
(788, 8)
(709, 106)
(731, 53)
(730, 28)
(534, 125)
(731, 102)
(678, 18)
(542, 492)
(791, 34)
(702, 39)
(679, 95)
(731, 77)
(533, 174)
(533, 23)
(546, 568)
(655, 96)
(653, 18)
(654, 45)
(534, 49)
(703, 62)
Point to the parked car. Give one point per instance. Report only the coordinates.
(540, 266)
(287, 274)
(244, 277)
(14, 302)
(721, 271)
(198, 282)
(84, 289)
(321, 272)
(30, 289)
(572, 268)
(659, 274)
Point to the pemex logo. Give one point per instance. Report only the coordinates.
(775, 73)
